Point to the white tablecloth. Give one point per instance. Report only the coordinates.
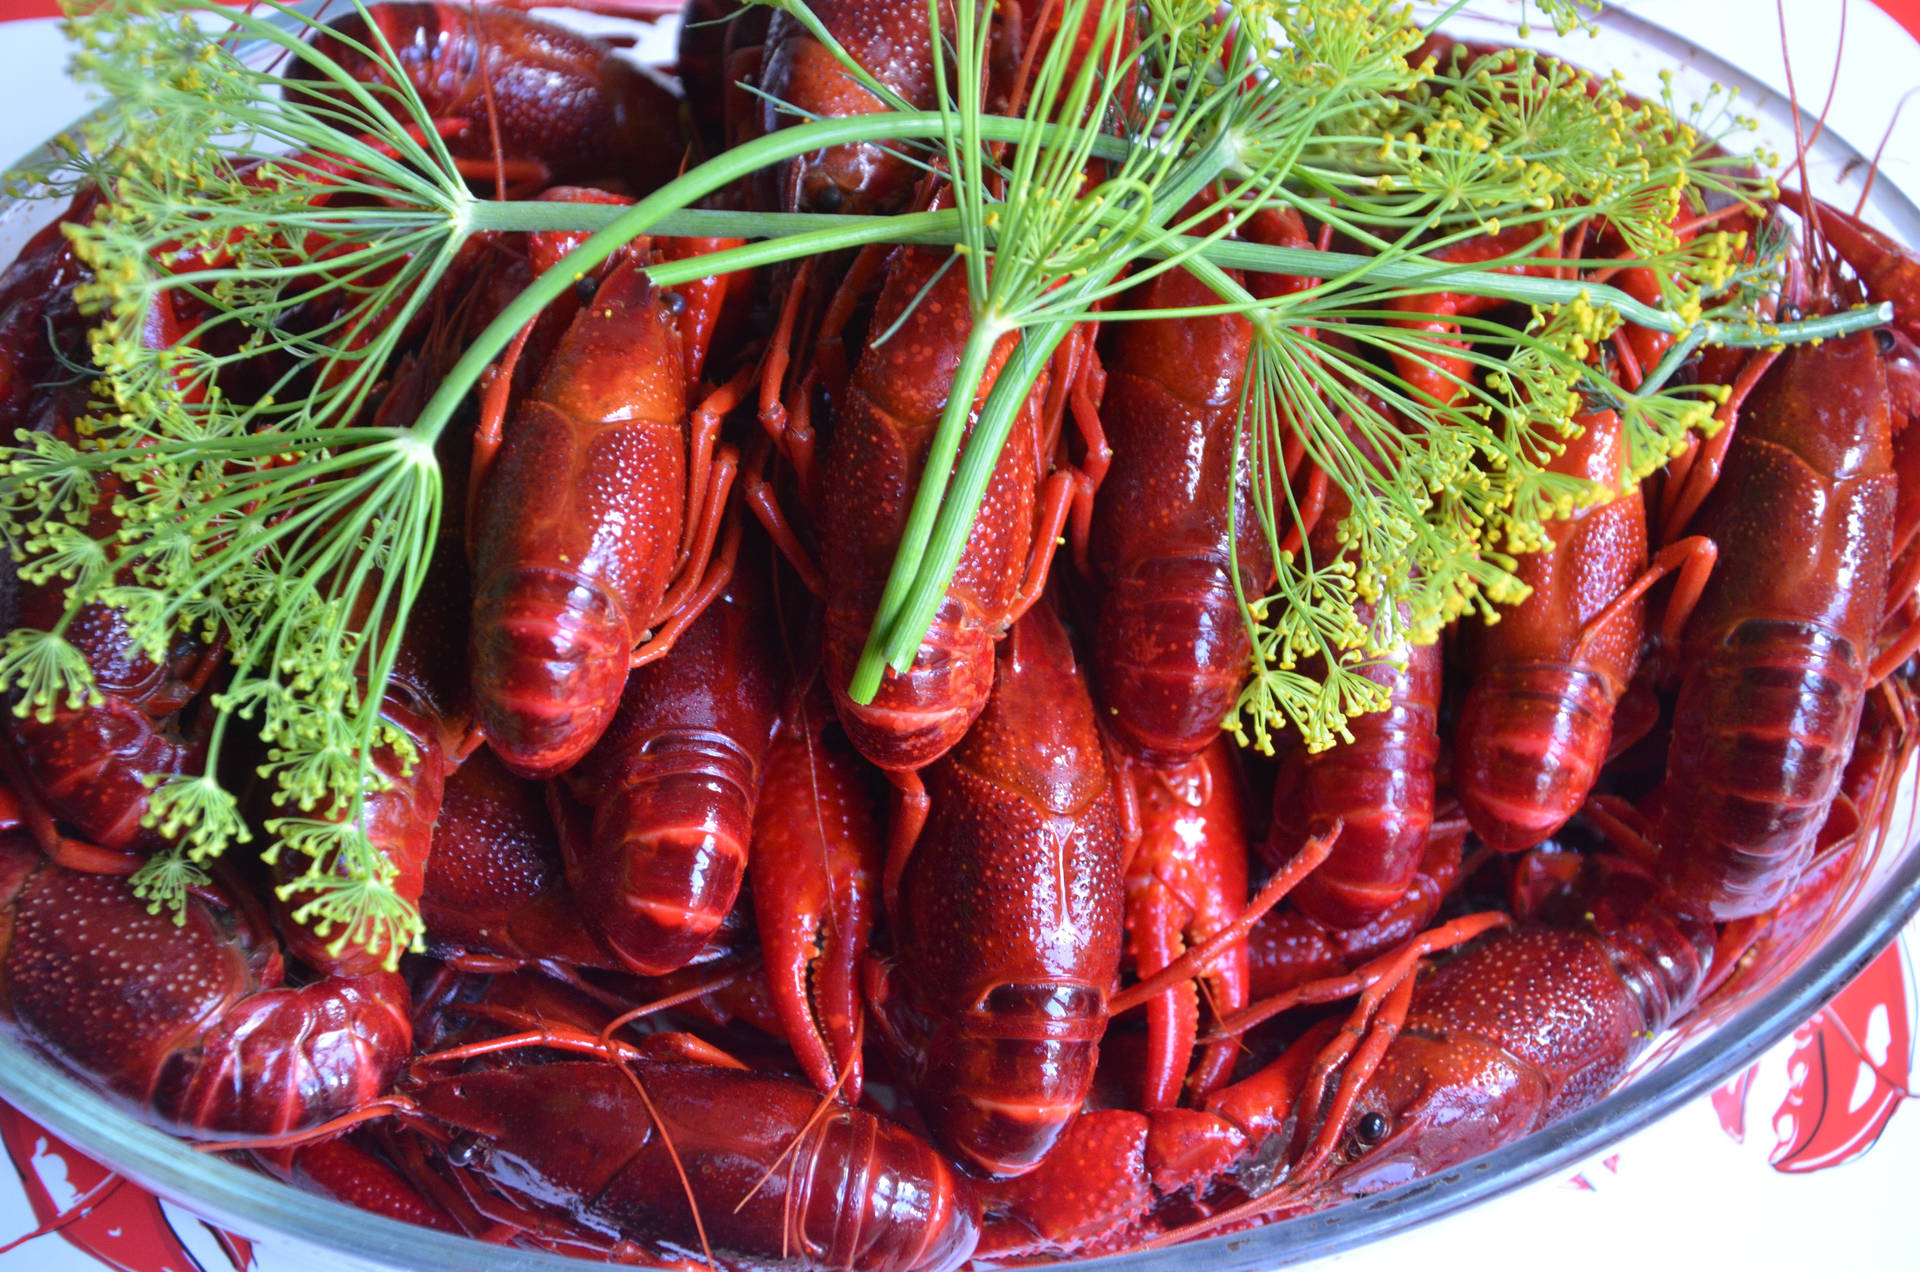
(1685, 1192)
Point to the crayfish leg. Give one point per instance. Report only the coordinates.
(909, 819)
(761, 497)
(689, 605)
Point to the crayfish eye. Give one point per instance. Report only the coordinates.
(1370, 1129)
(585, 289)
(466, 1150)
(827, 198)
(1883, 340)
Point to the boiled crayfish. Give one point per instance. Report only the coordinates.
(1022, 957)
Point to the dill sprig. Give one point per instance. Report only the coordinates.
(1445, 494)
(284, 234)
(1317, 108)
(285, 225)
(1231, 104)
(282, 226)
(285, 243)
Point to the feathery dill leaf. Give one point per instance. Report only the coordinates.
(250, 223)
(1444, 494)
(1322, 109)
(254, 222)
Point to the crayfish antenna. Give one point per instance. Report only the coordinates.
(1386, 970)
(616, 1053)
(1360, 1045)
(1809, 215)
(711, 984)
(1201, 957)
(373, 1110)
(1290, 1192)
(1023, 81)
(1386, 999)
(820, 1108)
(673, 1154)
(493, 130)
(1879, 151)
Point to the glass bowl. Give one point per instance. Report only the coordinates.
(335, 1235)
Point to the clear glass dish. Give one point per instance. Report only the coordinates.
(253, 1205)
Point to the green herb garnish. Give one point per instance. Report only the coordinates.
(300, 534)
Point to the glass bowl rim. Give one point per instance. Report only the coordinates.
(227, 1194)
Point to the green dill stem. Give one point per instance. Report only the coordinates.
(837, 231)
(1806, 331)
(788, 143)
(929, 229)
(928, 501)
(949, 538)
(1418, 273)
(425, 506)
(537, 215)
(1210, 268)
(1664, 370)
(942, 515)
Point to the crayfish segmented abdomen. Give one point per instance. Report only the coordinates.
(837, 1189)
(580, 520)
(874, 455)
(1171, 648)
(674, 783)
(1775, 659)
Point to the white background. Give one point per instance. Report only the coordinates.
(1679, 1194)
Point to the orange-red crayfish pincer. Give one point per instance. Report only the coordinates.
(1186, 881)
(819, 847)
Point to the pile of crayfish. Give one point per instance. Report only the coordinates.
(1022, 958)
